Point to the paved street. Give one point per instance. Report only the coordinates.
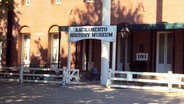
(28, 93)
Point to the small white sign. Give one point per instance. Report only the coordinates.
(142, 56)
(106, 33)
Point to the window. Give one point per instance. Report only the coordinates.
(57, 1)
(26, 49)
(26, 2)
(54, 48)
(89, 0)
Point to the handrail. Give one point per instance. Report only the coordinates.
(169, 79)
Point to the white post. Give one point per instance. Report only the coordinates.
(109, 78)
(69, 63)
(65, 75)
(169, 80)
(106, 14)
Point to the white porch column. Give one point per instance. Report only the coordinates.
(106, 18)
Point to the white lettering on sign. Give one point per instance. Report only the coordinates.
(142, 56)
(91, 29)
(106, 33)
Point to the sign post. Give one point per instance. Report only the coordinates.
(105, 33)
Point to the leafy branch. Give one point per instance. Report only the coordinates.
(5, 5)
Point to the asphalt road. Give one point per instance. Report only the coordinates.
(32, 93)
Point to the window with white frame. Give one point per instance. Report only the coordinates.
(27, 2)
(54, 47)
(57, 1)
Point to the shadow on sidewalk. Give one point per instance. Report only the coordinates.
(91, 93)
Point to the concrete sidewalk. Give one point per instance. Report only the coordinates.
(14, 93)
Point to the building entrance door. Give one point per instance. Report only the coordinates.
(164, 52)
(123, 53)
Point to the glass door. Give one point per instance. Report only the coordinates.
(164, 53)
(123, 53)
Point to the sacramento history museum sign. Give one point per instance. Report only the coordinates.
(104, 33)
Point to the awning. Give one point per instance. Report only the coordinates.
(163, 26)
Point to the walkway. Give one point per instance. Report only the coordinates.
(28, 93)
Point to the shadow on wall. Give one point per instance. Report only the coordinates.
(126, 14)
(119, 14)
(39, 59)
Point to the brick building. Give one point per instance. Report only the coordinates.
(155, 42)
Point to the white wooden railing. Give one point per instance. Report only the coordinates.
(145, 80)
(42, 75)
(9, 73)
(71, 76)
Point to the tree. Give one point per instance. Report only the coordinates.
(5, 6)
(6, 14)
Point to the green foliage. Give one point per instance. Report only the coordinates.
(5, 5)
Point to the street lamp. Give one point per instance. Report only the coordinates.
(124, 33)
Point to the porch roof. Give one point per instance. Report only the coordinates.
(163, 26)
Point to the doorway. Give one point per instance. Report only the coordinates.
(124, 53)
(164, 51)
